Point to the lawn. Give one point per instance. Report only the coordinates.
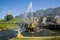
(15, 20)
(5, 25)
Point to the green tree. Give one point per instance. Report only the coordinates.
(8, 17)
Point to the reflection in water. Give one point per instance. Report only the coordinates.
(43, 32)
(7, 34)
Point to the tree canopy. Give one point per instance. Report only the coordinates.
(8, 17)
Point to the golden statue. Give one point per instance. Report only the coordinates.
(19, 35)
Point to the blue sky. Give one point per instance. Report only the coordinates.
(17, 7)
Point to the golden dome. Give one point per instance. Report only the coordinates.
(8, 13)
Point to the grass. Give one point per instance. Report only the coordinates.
(5, 25)
(16, 20)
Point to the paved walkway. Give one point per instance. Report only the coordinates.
(42, 37)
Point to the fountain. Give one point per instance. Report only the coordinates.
(29, 10)
(36, 30)
(57, 19)
(33, 29)
(44, 20)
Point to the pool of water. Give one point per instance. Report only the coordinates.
(43, 32)
(7, 34)
(11, 33)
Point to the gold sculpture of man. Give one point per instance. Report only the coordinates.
(19, 35)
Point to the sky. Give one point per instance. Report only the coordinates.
(17, 7)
